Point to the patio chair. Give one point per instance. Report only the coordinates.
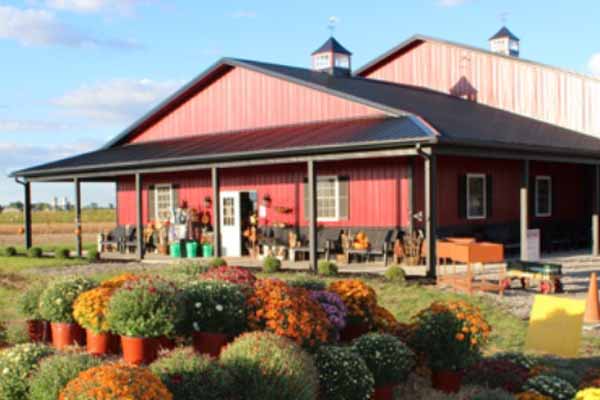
(113, 240)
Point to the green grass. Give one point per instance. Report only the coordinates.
(19, 263)
(47, 217)
(53, 247)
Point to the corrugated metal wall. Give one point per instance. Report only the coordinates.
(551, 95)
(244, 99)
(377, 190)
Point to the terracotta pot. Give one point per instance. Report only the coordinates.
(384, 392)
(101, 343)
(39, 331)
(139, 351)
(209, 343)
(165, 343)
(353, 331)
(446, 381)
(67, 334)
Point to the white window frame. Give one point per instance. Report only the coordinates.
(484, 208)
(337, 197)
(156, 190)
(549, 180)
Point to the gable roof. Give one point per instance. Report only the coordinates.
(504, 32)
(417, 39)
(332, 46)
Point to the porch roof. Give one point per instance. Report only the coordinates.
(301, 139)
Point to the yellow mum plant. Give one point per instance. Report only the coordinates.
(118, 281)
(588, 394)
(89, 309)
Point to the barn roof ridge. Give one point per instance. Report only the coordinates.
(426, 38)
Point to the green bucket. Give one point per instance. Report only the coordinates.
(207, 250)
(191, 249)
(175, 250)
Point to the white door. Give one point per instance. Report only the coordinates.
(231, 226)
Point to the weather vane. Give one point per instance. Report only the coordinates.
(333, 20)
(504, 17)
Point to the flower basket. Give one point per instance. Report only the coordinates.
(65, 334)
(100, 344)
(209, 343)
(384, 392)
(39, 331)
(139, 351)
(446, 381)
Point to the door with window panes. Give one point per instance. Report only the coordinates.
(231, 228)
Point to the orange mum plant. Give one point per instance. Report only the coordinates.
(450, 334)
(360, 300)
(118, 281)
(116, 382)
(384, 320)
(89, 309)
(287, 311)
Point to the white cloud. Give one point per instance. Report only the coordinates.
(451, 3)
(93, 6)
(594, 64)
(34, 27)
(18, 126)
(114, 101)
(248, 14)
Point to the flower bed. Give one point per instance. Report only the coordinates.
(237, 275)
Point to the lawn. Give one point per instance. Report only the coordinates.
(49, 217)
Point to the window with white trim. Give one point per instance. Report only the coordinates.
(322, 61)
(163, 201)
(476, 196)
(328, 193)
(543, 196)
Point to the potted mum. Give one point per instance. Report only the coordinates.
(287, 311)
(335, 309)
(389, 360)
(361, 301)
(450, 336)
(37, 327)
(143, 312)
(215, 313)
(89, 311)
(56, 306)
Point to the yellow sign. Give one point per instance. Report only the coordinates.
(555, 326)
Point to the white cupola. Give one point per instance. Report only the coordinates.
(505, 42)
(332, 58)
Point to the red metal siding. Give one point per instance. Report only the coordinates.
(377, 191)
(244, 99)
(571, 200)
(551, 95)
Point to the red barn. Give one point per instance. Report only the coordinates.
(448, 138)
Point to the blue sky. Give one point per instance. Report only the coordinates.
(77, 72)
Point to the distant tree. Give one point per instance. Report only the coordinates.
(111, 206)
(17, 204)
(93, 206)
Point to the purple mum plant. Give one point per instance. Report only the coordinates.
(333, 306)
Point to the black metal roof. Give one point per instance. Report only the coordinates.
(504, 32)
(332, 45)
(308, 138)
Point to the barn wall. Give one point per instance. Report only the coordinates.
(244, 99)
(551, 95)
(377, 191)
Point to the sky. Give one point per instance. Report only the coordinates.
(75, 73)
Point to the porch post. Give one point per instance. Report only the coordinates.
(411, 195)
(431, 213)
(216, 211)
(27, 215)
(312, 214)
(596, 212)
(524, 194)
(139, 217)
(78, 247)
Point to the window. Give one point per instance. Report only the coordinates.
(164, 202)
(327, 198)
(228, 211)
(543, 196)
(476, 196)
(322, 61)
(342, 61)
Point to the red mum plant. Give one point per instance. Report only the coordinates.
(288, 311)
(237, 275)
